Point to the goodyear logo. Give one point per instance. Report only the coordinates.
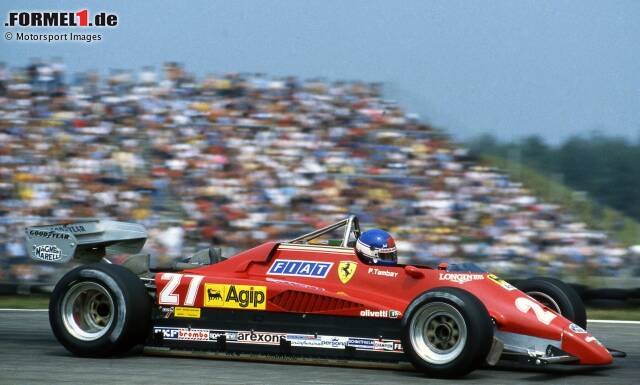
(308, 269)
(235, 296)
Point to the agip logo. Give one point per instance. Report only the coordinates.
(235, 296)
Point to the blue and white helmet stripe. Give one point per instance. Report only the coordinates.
(378, 246)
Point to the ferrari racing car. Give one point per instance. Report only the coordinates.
(311, 296)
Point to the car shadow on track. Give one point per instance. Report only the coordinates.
(62, 352)
(473, 377)
(553, 372)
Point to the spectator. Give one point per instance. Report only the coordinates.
(243, 158)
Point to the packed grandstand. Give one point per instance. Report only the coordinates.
(234, 160)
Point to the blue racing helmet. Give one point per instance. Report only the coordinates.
(377, 246)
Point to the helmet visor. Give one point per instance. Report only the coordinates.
(389, 254)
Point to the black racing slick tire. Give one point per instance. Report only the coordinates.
(557, 296)
(447, 332)
(100, 310)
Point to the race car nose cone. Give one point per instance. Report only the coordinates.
(579, 343)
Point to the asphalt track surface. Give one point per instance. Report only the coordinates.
(30, 354)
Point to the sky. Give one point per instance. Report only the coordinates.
(510, 68)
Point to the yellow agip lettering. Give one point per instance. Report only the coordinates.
(235, 296)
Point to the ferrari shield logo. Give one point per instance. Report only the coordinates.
(346, 270)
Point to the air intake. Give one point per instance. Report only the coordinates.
(301, 302)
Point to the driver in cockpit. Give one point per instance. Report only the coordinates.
(377, 247)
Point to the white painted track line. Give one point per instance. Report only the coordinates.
(6, 309)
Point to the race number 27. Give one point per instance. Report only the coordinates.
(168, 295)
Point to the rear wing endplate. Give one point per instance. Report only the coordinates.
(86, 241)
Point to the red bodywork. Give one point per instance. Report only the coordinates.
(369, 290)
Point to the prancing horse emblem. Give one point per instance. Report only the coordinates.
(346, 270)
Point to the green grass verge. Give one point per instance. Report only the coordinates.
(624, 314)
(33, 301)
(42, 302)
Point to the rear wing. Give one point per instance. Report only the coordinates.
(87, 241)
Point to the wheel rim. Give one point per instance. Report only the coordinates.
(438, 333)
(87, 311)
(546, 300)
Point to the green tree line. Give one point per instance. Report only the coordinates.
(606, 168)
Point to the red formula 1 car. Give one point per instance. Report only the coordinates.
(308, 297)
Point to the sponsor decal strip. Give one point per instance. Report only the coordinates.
(185, 334)
(49, 253)
(460, 277)
(187, 312)
(300, 268)
(48, 234)
(380, 313)
(576, 328)
(506, 285)
(235, 296)
(382, 273)
(274, 338)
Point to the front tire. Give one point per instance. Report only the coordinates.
(447, 332)
(99, 310)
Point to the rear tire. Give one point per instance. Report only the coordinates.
(557, 296)
(447, 332)
(99, 310)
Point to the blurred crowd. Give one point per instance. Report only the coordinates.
(233, 160)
